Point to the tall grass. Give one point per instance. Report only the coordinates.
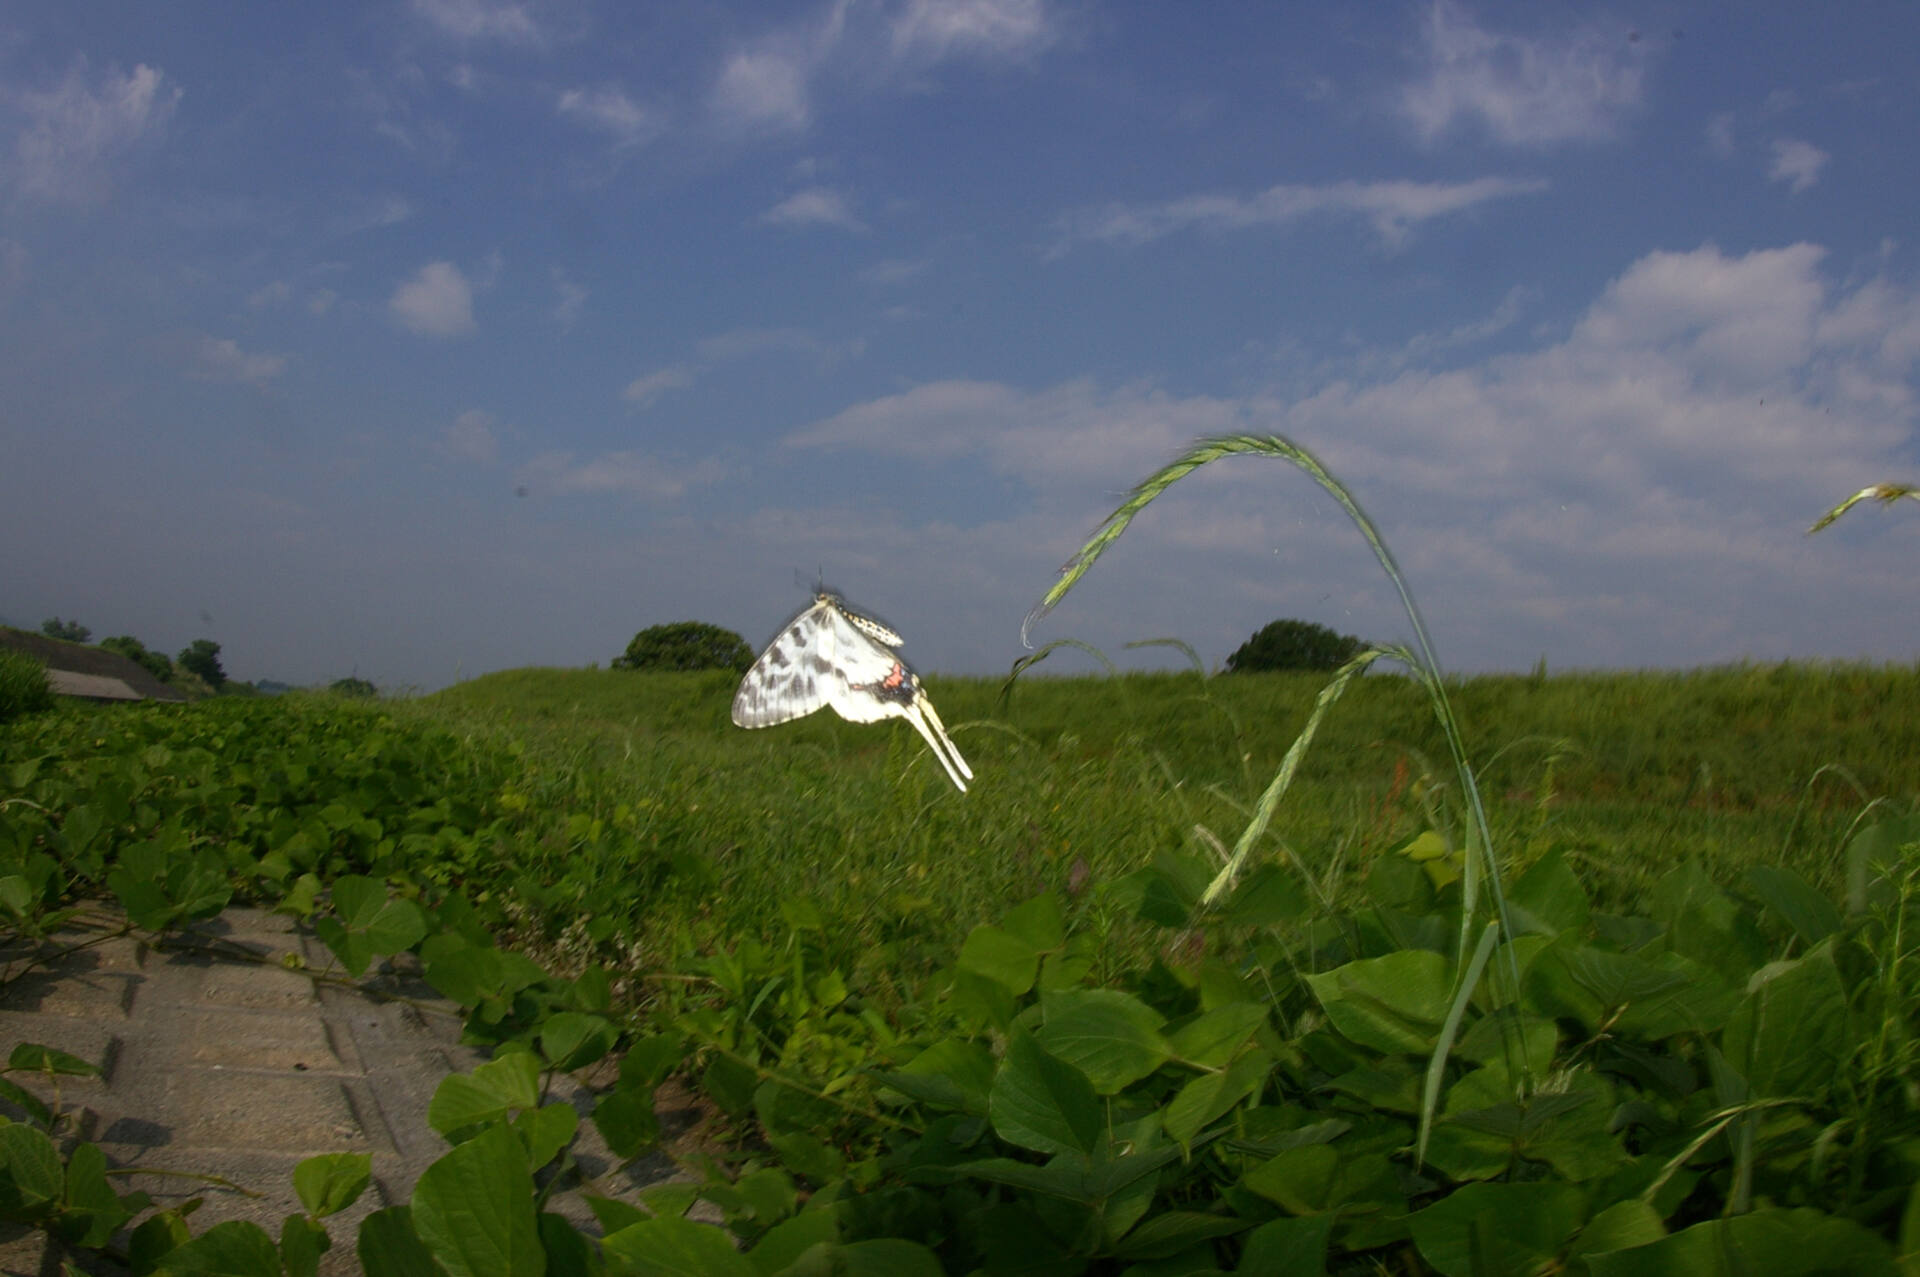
(23, 686)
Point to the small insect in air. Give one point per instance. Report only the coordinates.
(830, 654)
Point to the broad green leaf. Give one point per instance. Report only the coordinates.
(1111, 1036)
(26, 1101)
(388, 1246)
(806, 1154)
(1288, 1247)
(568, 1252)
(1212, 1038)
(473, 1209)
(786, 1241)
(953, 1073)
(94, 1212)
(650, 1060)
(545, 1131)
(1789, 1036)
(1043, 1103)
(331, 1182)
(1394, 1003)
(467, 1099)
(1171, 1232)
(627, 1122)
(673, 1247)
(1266, 897)
(572, 1039)
(1624, 1224)
(1704, 924)
(1038, 922)
(1547, 899)
(1000, 956)
(1482, 1228)
(612, 1214)
(302, 1243)
(1765, 1243)
(237, 1248)
(44, 1059)
(888, 1257)
(31, 1177)
(1812, 916)
(1298, 1179)
(1208, 1097)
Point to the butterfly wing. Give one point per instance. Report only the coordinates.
(868, 681)
(794, 676)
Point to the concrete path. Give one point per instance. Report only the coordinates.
(219, 1059)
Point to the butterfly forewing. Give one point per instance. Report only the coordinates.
(794, 676)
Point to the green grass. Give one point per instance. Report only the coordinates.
(1628, 772)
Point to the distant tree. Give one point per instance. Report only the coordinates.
(72, 631)
(1294, 645)
(356, 688)
(202, 657)
(155, 663)
(686, 645)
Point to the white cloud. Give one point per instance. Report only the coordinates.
(436, 302)
(1720, 134)
(1392, 209)
(770, 83)
(471, 437)
(77, 131)
(632, 474)
(642, 391)
(220, 359)
(929, 31)
(267, 296)
(369, 212)
(1524, 91)
(609, 110)
(744, 342)
(815, 206)
(1635, 492)
(481, 20)
(893, 271)
(572, 299)
(1796, 163)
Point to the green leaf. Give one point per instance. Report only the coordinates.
(572, 1039)
(1394, 1003)
(1298, 1179)
(94, 1212)
(26, 1101)
(545, 1131)
(473, 1209)
(1624, 1224)
(673, 1247)
(1789, 1035)
(1000, 956)
(388, 1246)
(1547, 899)
(1812, 916)
(302, 1243)
(31, 1177)
(1171, 1232)
(1111, 1036)
(1043, 1103)
(888, 1257)
(1266, 897)
(44, 1059)
(1038, 922)
(786, 1241)
(953, 1073)
(650, 1060)
(1288, 1248)
(1208, 1097)
(468, 1099)
(568, 1252)
(1212, 1038)
(331, 1182)
(237, 1248)
(627, 1122)
(1764, 1243)
(1483, 1228)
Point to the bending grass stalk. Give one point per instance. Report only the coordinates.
(1449, 1030)
(1426, 667)
(1885, 493)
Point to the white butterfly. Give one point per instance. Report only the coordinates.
(832, 655)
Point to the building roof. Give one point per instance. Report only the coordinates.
(73, 666)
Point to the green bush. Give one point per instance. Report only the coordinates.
(1294, 645)
(155, 663)
(686, 645)
(23, 686)
(354, 689)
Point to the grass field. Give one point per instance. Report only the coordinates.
(1086, 779)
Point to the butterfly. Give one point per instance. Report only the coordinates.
(830, 654)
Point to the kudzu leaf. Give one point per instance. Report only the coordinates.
(302, 1242)
(1214, 1037)
(545, 1131)
(467, 1099)
(1111, 1036)
(572, 1039)
(650, 1060)
(331, 1182)
(786, 1241)
(1210, 1096)
(1812, 916)
(674, 1247)
(1041, 1102)
(1769, 1242)
(627, 1122)
(1008, 960)
(237, 1248)
(473, 1209)
(1038, 922)
(1394, 1003)
(953, 1073)
(887, 1257)
(44, 1059)
(31, 1177)
(389, 1247)
(567, 1250)
(1515, 1227)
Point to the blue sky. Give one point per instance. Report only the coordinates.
(422, 338)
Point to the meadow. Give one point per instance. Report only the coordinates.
(1599, 973)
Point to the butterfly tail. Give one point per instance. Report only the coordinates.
(921, 714)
